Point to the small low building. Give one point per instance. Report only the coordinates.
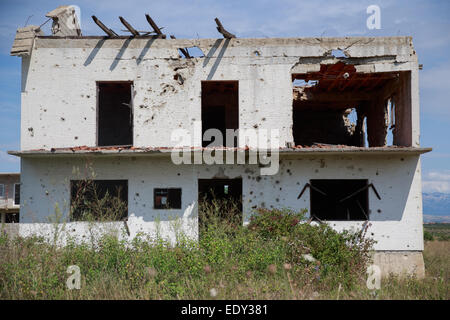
(9, 197)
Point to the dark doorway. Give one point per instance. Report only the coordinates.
(220, 106)
(340, 199)
(115, 113)
(219, 199)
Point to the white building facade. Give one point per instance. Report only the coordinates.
(347, 131)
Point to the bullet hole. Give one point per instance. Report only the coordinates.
(255, 126)
(137, 194)
(251, 192)
(258, 178)
(257, 53)
(379, 210)
(277, 200)
(254, 207)
(31, 131)
(372, 234)
(281, 188)
(178, 174)
(317, 170)
(85, 118)
(76, 138)
(263, 119)
(88, 96)
(402, 159)
(322, 163)
(178, 78)
(277, 181)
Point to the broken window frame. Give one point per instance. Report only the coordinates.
(365, 207)
(173, 198)
(12, 217)
(75, 217)
(385, 89)
(98, 83)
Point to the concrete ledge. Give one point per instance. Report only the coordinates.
(134, 151)
(400, 263)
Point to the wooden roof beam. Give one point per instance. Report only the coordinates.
(105, 29)
(154, 26)
(184, 51)
(221, 29)
(133, 31)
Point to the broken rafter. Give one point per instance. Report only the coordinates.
(133, 31)
(184, 51)
(154, 26)
(306, 95)
(108, 31)
(221, 29)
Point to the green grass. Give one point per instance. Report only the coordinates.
(437, 231)
(262, 261)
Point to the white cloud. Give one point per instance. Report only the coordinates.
(436, 186)
(436, 181)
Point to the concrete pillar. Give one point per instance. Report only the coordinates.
(377, 124)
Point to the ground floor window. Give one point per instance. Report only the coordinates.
(169, 198)
(9, 217)
(99, 200)
(339, 199)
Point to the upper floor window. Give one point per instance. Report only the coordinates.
(114, 113)
(2, 190)
(220, 107)
(17, 193)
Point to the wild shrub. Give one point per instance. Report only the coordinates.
(341, 256)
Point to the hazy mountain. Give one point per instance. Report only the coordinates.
(436, 207)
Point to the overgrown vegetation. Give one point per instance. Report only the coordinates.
(90, 203)
(278, 255)
(436, 231)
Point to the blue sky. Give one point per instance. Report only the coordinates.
(428, 22)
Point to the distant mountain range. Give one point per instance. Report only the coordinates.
(436, 207)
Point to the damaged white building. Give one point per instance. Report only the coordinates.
(346, 111)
